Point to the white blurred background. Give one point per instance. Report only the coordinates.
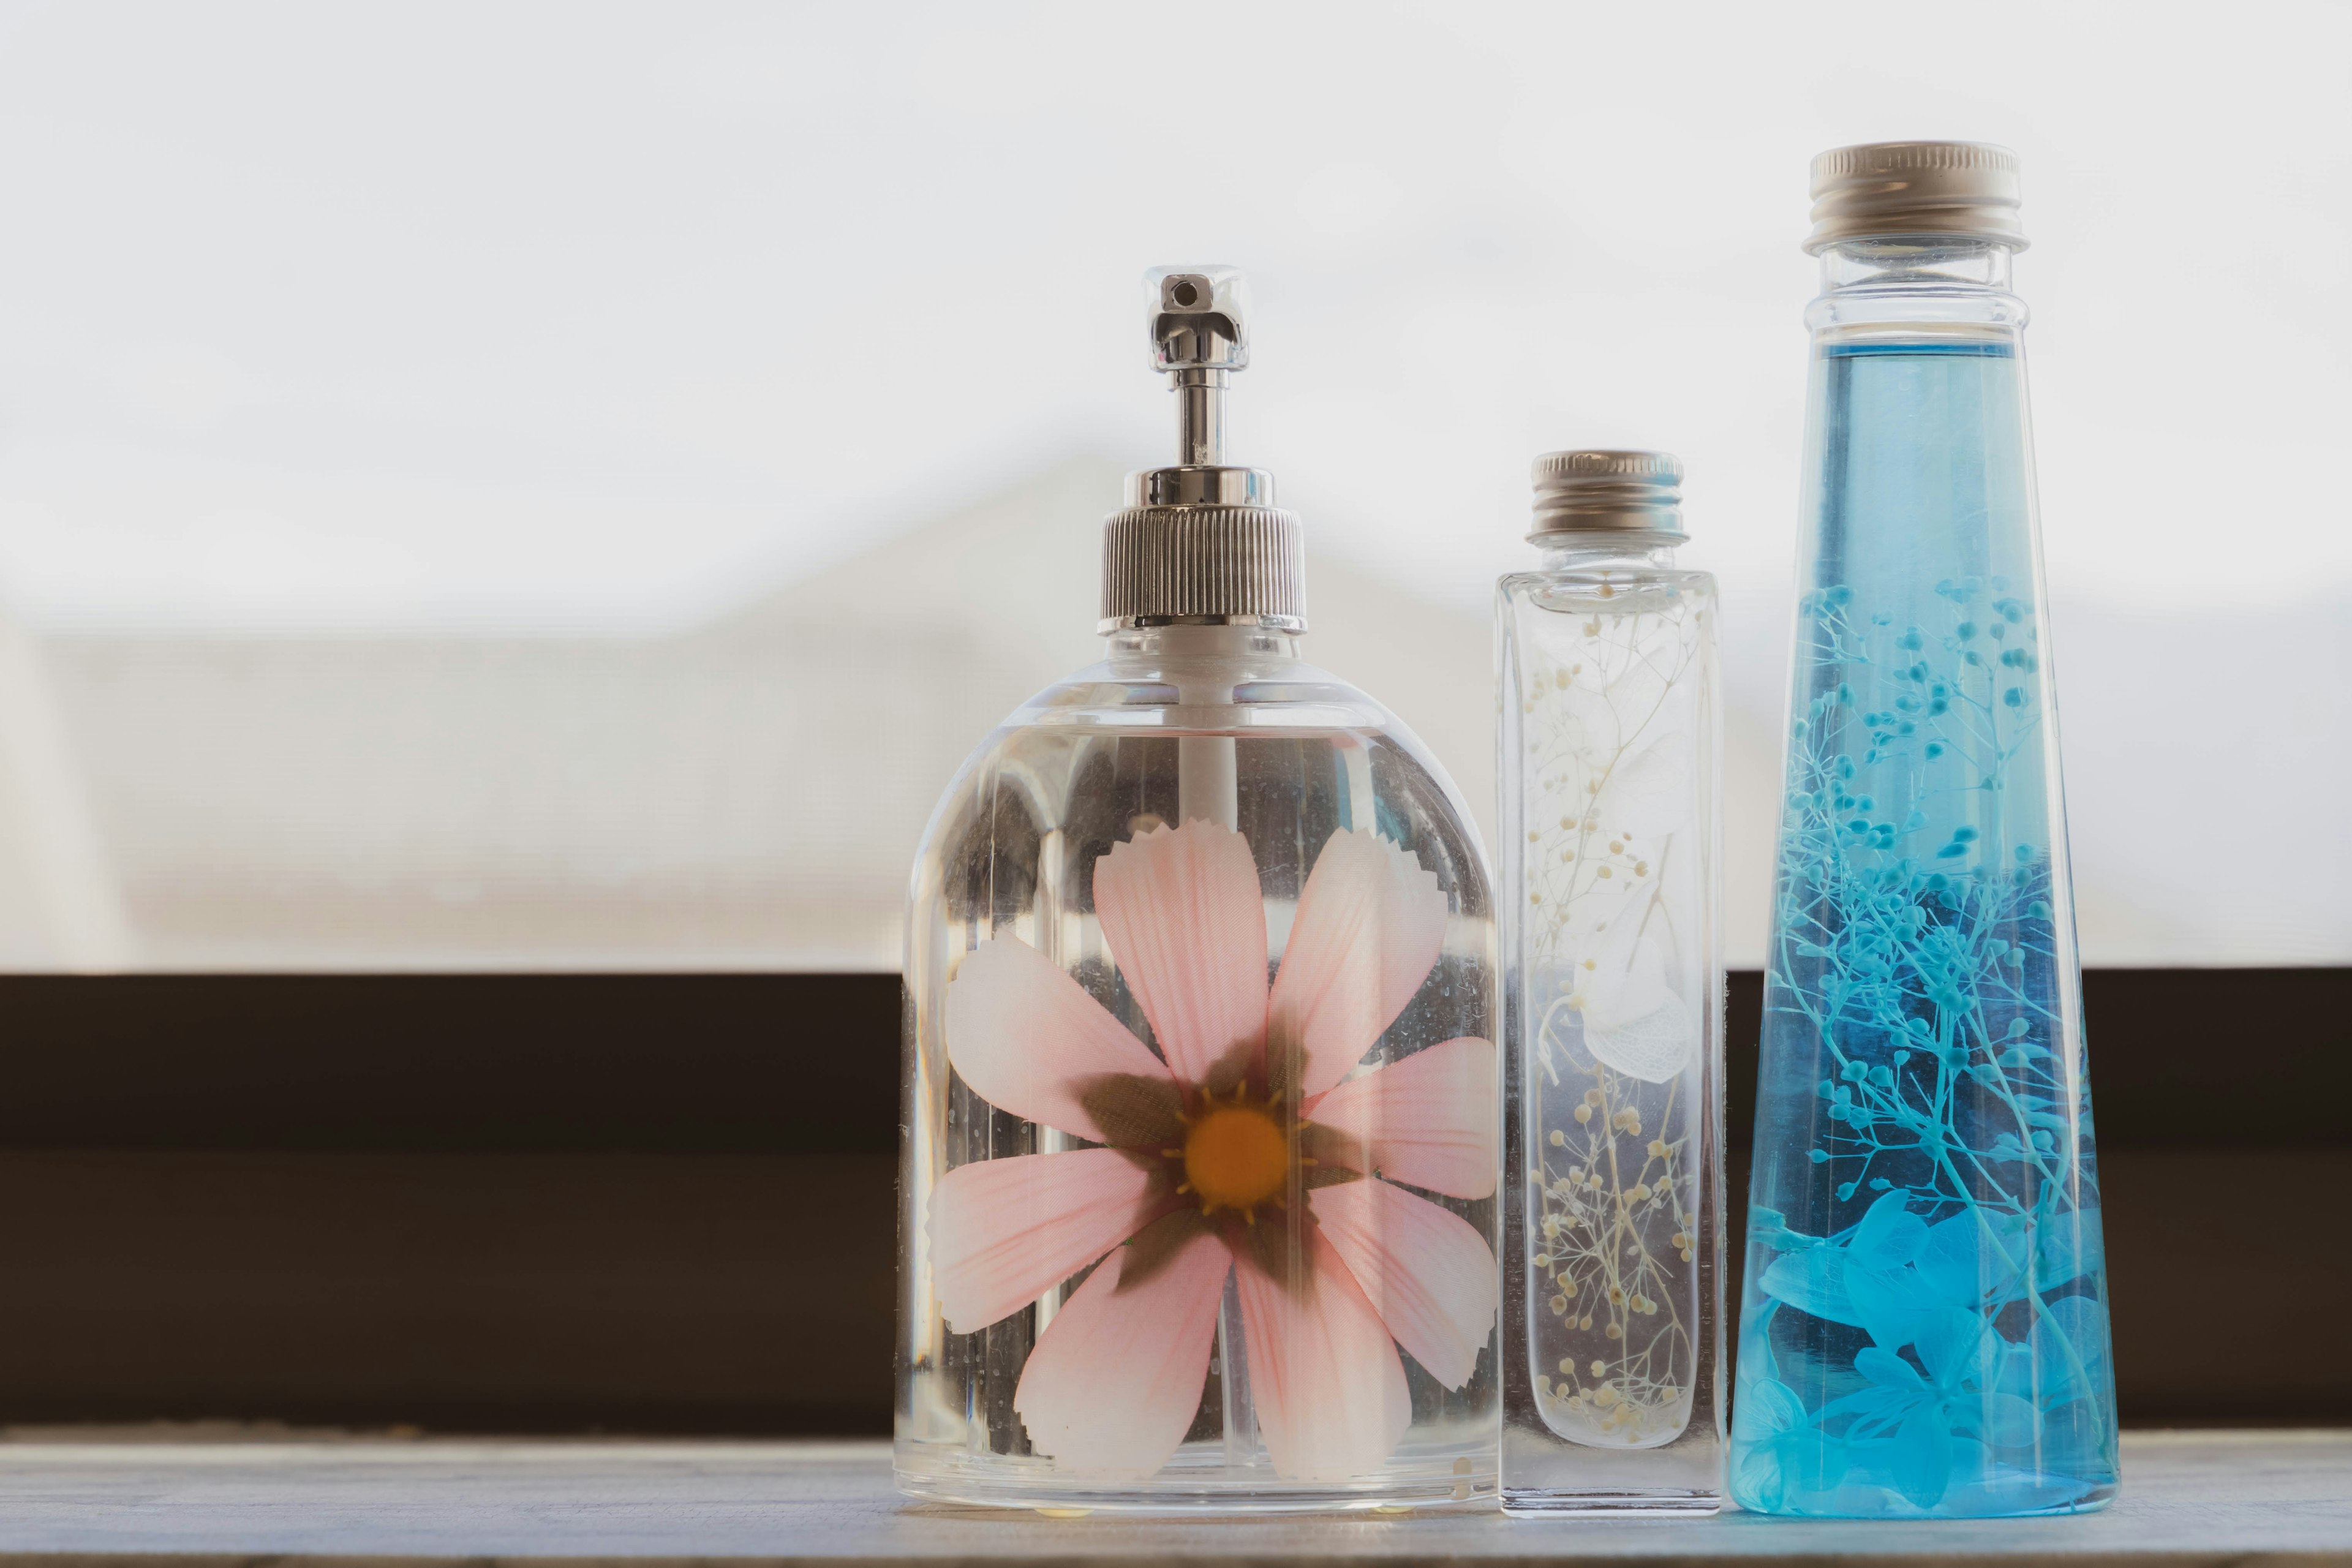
(501, 485)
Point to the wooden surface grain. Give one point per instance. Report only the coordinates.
(2210, 1497)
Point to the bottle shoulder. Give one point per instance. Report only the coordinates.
(1120, 737)
(1201, 696)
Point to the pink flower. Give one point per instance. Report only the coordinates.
(1248, 1150)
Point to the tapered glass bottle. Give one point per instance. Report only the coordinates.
(1923, 1326)
(1201, 1117)
(1608, 768)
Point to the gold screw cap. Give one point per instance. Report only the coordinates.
(1915, 190)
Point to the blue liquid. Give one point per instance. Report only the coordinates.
(1923, 1326)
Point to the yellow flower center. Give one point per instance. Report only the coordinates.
(1236, 1156)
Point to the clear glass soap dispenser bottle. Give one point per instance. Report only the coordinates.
(1199, 1129)
(1924, 1322)
(1609, 772)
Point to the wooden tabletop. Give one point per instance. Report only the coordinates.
(2201, 1498)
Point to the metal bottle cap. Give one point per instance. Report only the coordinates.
(1201, 542)
(1608, 492)
(1915, 190)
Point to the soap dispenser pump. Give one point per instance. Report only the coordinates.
(1200, 1125)
(1201, 542)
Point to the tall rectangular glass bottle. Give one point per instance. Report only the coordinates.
(1613, 1296)
(1924, 1328)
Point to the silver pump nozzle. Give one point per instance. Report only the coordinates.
(1199, 540)
(1200, 332)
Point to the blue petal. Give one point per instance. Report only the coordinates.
(1922, 1456)
(1894, 1306)
(1813, 1282)
(1886, 1369)
(1964, 1266)
(1960, 1350)
(1756, 1482)
(1771, 1406)
(2006, 1421)
(1888, 1236)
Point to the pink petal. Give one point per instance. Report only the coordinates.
(1428, 1120)
(1371, 922)
(1427, 1271)
(1112, 1386)
(1324, 1374)
(1003, 1231)
(1028, 1038)
(1181, 912)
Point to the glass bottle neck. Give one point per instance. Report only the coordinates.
(1962, 285)
(1604, 552)
(1250, 641)
(1916, 264)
